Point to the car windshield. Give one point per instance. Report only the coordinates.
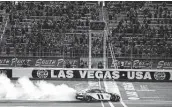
(94, 91)
(103, 91)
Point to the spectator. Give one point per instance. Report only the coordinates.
(100, 65)
(25, 64)
(81, 64)
(121, 65)
(68, 65)
(7, 50)
(86, 65)
(0, 50)
(1, 18)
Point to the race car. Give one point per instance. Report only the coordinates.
(97, 95)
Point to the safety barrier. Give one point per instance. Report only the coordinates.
(86, 74)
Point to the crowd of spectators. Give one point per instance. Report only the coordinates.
(61, 28)
(97, 45)
(49, 28)
(145, 30)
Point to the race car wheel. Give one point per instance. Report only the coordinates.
(76, 97)
(118, 98)
(88, 98)
(112, 98)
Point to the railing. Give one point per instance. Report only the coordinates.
(114, 61)
(84, 53)
(4, 28)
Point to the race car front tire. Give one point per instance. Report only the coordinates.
(112, 98)
(88, 98)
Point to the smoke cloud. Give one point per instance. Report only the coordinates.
(24, 89)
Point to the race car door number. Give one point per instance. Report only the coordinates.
(100, 96)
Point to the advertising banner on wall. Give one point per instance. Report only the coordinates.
(101, 74)
(142, 63)
(56, 62)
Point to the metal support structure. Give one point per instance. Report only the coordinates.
(131, 53)
(104, 49)
(90, 46)
(105, 35)
(15, 54)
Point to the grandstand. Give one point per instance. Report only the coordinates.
(134, 34)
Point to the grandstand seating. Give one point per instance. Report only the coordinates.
(49, 28)
(142, 29)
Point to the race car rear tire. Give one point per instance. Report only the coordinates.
(115, 98)
(88, 99)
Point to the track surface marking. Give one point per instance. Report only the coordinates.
(150, 94)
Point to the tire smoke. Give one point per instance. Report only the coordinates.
(25, 89)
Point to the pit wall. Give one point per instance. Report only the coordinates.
(88, 74)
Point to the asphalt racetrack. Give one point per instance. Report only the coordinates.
(134, 94)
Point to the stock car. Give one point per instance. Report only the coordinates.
(97, 95)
